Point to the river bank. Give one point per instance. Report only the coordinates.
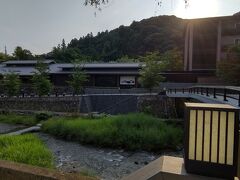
(107, 164)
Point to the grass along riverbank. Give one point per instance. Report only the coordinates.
(130, 132)
(18, 119)
(28, 120)
(27, 149)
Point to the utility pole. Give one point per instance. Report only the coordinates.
(5, 50)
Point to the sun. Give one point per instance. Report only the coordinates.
(197, 9)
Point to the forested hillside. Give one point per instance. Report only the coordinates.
(154, 34)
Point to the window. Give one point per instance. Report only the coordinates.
(237, 41)
(237, 27)
(127, 80)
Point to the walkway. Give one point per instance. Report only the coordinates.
(209, 94)
(26, 130)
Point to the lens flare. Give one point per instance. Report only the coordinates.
(197, 9)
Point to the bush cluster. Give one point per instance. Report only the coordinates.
(130, 132)
(28, 120)
(17, 119)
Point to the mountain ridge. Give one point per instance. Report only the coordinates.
(159, 33)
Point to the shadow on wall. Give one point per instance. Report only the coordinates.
(179, 104)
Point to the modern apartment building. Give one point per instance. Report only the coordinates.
(207, 39)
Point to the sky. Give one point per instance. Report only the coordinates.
(39, 25)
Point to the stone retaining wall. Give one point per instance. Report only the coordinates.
(161, 106)
(59, 104)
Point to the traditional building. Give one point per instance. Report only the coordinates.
(99, 74)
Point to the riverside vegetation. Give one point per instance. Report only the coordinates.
(18, 119)
(130, 132)
(26, 149)
(28, 120)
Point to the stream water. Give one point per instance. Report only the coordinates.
(107, 164)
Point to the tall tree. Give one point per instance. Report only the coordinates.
(22, 54)
(63, 45)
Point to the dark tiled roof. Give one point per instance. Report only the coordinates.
(19, 62)
(91, 68)
(102, 65)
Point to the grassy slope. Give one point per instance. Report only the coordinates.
(26, 149)
(18, 119)
(131, 132)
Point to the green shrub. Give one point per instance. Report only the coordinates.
(27, 149)
(131, 132)
(147, 109)
(43, 116)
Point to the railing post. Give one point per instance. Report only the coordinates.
(239, 99)
(201, 91)
(214, 93)
(175, 90)
(207, 92)
(194, 90)
(170, 91)
(197, 91)
(183, 90)
(225, 94)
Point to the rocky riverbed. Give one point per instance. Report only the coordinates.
(106, 164)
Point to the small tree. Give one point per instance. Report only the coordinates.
(172, 60)
(78, 79)
(41, 83)
(12, 84)
(150, 75)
